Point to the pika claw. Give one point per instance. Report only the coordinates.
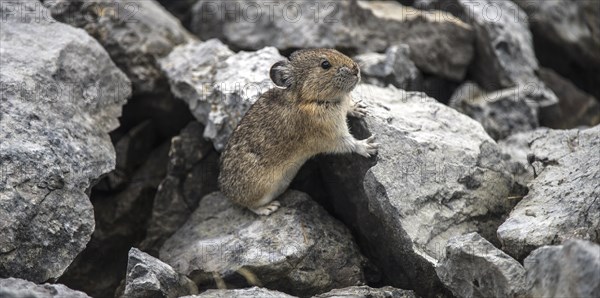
(266, 209)
(367, 147)
(359, 110)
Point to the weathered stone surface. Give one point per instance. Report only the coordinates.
(218, 85)
(440, 43)
(300, 249)
(365, 291)
(241, 293)
(568, 270)
(566, 35)
(501, 113)
(437, 175)
(134, 32)
(577, 108)
(149, 277)
(473, 267)
(61, 95)
(564, 200)
(394, 67)
(121, 222)
(192, 173)
(19, 288)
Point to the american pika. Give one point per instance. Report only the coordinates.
(303, 116)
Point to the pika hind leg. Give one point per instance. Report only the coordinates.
(267, 205)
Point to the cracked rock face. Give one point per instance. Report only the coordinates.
(473, 267)
(300, 249)
(134, 32)
(149, 277)
(437, 175)
(218, 85)
(19, 288)
(567, 270)
(191, 174)
(564, 200)
(441, 44)
(365, 291)
(61, 95)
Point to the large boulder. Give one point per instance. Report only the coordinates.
(19, 288)
(192, 173)
(563, 201)
(365, 291)
(300, 249)
(568, 270)
(218, 85)
(437, 175)
(61, 95)
(134, 32)
(473, 267)
(440, 43)
(566, 34)
(149, 277)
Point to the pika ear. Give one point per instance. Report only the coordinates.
(280, 74)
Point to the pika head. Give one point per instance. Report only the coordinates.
(316, 74)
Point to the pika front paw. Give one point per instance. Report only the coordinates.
(367, 147)
(358, 110)
(266, 209)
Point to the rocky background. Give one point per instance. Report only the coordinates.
(487, 183)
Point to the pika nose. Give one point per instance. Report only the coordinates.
(346, 70)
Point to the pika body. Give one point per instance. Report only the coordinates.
(304, 115)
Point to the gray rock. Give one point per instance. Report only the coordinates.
(577, 108)
(191, 174)
(241, 293)
(504, 46)
(218, 85)
(440, 43)
(394, 67)
(564, 200)
(473, 267)
(365, 291)
(61, 95)
(566, 32)
(568, 270)
(437, 175)
(134, 32)
(300, 249)
(19, 288)
(149, 277)
(501, 113)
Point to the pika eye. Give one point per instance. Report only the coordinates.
(325, 64)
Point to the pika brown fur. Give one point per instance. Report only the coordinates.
(304, 116)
